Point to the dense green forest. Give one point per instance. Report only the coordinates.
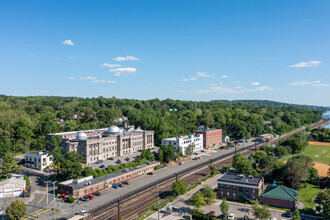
(24, 121)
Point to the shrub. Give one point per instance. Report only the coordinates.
(70, 199)
(27, 179)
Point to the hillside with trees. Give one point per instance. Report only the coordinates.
(24, 121)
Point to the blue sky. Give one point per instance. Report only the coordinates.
(189, 50)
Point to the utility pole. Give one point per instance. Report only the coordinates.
(54, 195)
(118, 209)
(158, 199)
(47, 195)
(37, 201)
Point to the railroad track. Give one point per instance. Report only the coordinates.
(133, 205)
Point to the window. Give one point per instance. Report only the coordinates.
(221, 186)
(227, 194)
(227, 187)
(234, 195)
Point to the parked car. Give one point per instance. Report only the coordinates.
(102, 166)
(82, 212)
(115, 186)
(212, 213)
(85, 198)
(118, 161)
(150, 173)
(195, 158)
(288, 214)
(120, 185)
(203, 151)
(127, 159)
(97, 194)
(231, 216)
(110, 158)
(100, 161)
(222, 216)
(181, 163)
(126, 183)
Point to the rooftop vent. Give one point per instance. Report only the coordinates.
(250, 177)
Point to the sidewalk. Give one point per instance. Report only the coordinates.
(181, 201)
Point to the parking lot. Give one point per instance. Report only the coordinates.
(123, 159)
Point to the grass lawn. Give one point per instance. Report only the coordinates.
(319, 154)
(305, 195)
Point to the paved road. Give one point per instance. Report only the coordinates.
(184, 208)
(138, 182)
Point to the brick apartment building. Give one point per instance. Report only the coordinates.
(280, 196)
(240, 187)
(211, 136)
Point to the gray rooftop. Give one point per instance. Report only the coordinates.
(82, 184)
(240, 178)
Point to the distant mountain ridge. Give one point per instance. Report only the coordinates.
(275, 103)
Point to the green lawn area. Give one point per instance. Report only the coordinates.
(305, 195)
(319, 154)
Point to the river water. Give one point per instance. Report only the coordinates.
(326, 115)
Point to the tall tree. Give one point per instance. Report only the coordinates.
(208, 194)
(9, 165)
(197, 200)
(260, 212)
(224, 207)
(16, 210)
(190, 149)
(179, 187)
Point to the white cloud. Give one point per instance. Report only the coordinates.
(44, 91)
(224, 77)
(235, 90)
(254, 84)
(321, 85)
(304, 83)
(103, 81)
(204, 91)
(260, 89)
(125, 58)
(218, 90)
(204, 74)
(119, 71)
(189, 79)
(70, 78)
(111, 65)
(311, 63)
(68, 42)
(88, 78)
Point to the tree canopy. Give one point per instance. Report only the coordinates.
(24, 121)
(16, 210)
